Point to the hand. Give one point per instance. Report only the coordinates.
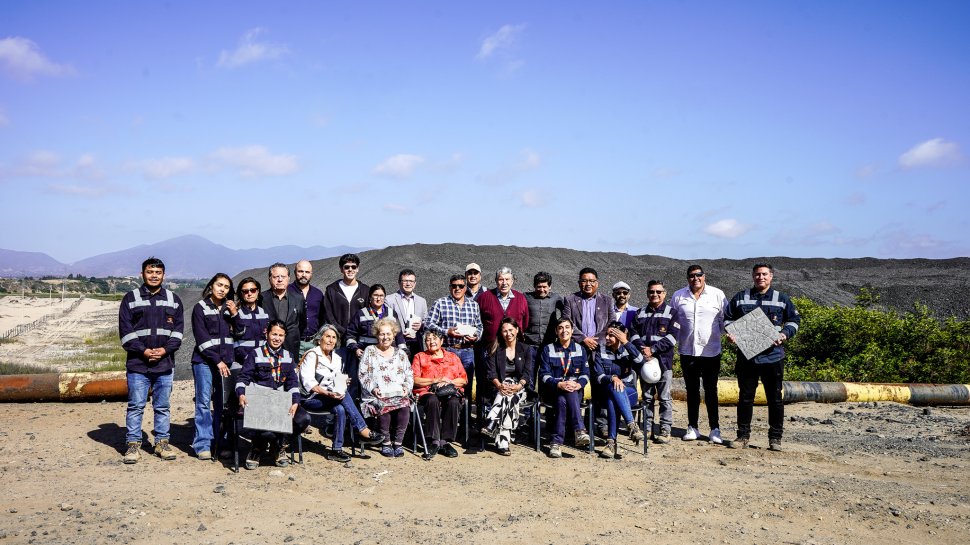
(647, 353)
(453, 332)
(337, 396)
(231, 307)
(781, 338)
(471, 338)
(242, 400)
(359, 352)
(620, 336)
(590, 343)
(618, 384)
(293, 410)
(376, 392)
(735, 341)
(223, 369)
(415, 325)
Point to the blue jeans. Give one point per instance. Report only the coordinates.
(341, 410)
(138, 386)
(206, 420)
(467, 357)
(618, 402)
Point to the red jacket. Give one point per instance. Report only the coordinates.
(492, 313)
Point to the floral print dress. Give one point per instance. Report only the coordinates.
(388, 374)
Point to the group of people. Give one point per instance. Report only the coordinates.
(355, 353)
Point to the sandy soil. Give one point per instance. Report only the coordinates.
(850, 473)
(56, 343)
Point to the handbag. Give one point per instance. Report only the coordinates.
(444, 390)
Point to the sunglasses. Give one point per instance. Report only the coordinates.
(621, 292)
(349, 267)
(655, 292)
(247, 291)
(457, 286)
(695, 275)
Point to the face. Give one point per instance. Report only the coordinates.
(432, 342)
(407, 283)
(328, 341)
(153, 276)
(588, 284)
(621, 296)
(504, 283)
(349, 270)
(473, 277)
(249, 292)
(279, 278)
(655, 294)
(457, 289)
(762, 278)
(377, 299)
(304, 272)
(696, 280)
(543, 289)
(385, 337)
(564, 331)
(219, 289)
(509, 333)
(611, 341)
(275, 337)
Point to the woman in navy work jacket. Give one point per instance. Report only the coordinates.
(563, 375)
(211, 358)
(249, 323)
(358, 335)
(616, 367)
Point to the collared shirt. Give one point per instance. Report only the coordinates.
(280, 304)
(701, 320)
(588, 327)
(446, 313)
(504, 301)
(626, 315)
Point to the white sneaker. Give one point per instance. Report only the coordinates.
(715, 436)
(691, 434)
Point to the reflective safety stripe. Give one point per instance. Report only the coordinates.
(209, 344)
(135, 334)
(773, 302)
(367, 340)
(644, 314)
(138, 302)
(207, 310)
(168, 302)
(261, 315)
(176, 335)
(244, 343)
(793, 325)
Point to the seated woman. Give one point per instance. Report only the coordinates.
(318, 381)
(509, 368)
(616, 367)
(270, 365)
(563, 374)
(386, 381)
(439, 379)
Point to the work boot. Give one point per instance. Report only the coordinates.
(252, 459)
(774, 444)
(740, 443)
(133, 454)
(663, 438)
(582, 439)
(283, 456)
(163, 450)
(609, 451)
(635, 434)
(555, 451)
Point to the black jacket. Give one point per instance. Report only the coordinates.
(524, 365)
(295, 318)
(337, 310)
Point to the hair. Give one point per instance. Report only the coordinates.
(695, 267)
(617, 325)
(278, 265)
(152, 262)
(259, 290)
(653, 283)
(562, 319)
(391, 322)
(499, 341)
(433, 333)
(405, 272)
(456, 277)
(275, 323)
(323, 329)
(349, 258)
(588, 270)
(762, 265)
(503, 270)
(540, 277)
(208, 287)
(375, 287)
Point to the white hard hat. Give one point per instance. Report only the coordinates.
(650, 372)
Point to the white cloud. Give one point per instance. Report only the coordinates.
(22, 60)
(856, 199)
(532, 198)
(166, 167)
(504, 39)
(398, 166)
(253, 161)
(727, 228)
(41, 163)
(397, 208)
(87, 167)
(932, 153)
(78, 190)
(530, 160)
(865, 171)
(251, 50)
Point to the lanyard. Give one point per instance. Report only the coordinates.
(275, 362)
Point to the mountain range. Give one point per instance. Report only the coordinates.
(185, 257)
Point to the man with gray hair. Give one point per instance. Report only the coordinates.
(494, 305)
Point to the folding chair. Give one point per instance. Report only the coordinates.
(585, 405)
(230, 413)
(532, 405)
(417, 420)
(348, 427)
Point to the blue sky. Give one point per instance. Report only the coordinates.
(685, 129)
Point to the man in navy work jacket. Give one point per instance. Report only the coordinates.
(150, 325)
(769, 365)
(655, 333)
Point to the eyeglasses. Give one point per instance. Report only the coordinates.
(588, 281)
(350, 267)
(655, 292)
(621, 292)
(248, 291)
(280, 276)
(695, 275)
(457, 286)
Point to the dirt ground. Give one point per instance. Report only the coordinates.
(58, 344)
(849, 473)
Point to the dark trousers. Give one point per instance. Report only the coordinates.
(441, 417)
(467, 357)
(697, 369)
(771, 376)
(396, 420)
(263, 439)
(567, 405)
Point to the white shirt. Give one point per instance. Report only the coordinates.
(315, 362)
(701, 321)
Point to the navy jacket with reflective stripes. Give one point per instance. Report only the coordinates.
(657, 330)
(213, 334)
(150, 321)
(779, 309)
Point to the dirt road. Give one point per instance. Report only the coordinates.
(849, 473)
